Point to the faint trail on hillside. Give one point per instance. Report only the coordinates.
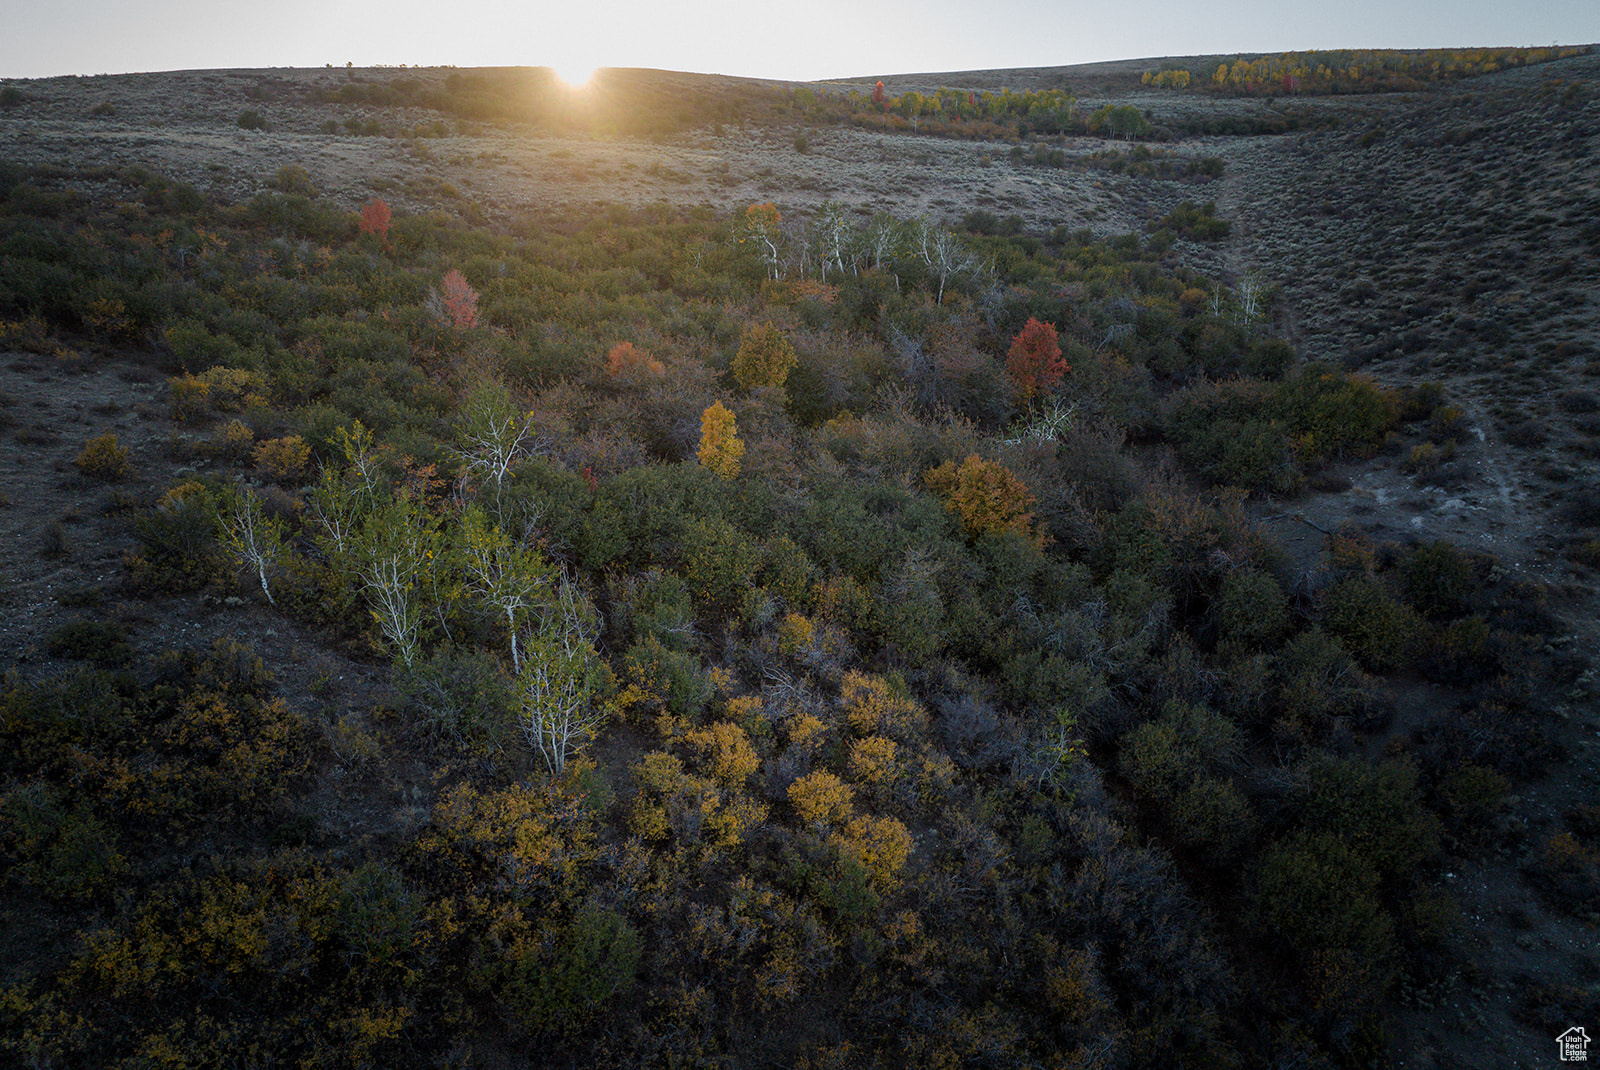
(1237, 199)
(1483, 430)
(1258, 170)
(1228, 200)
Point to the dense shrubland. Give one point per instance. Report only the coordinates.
(837, 644)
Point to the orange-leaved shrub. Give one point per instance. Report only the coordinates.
(725, 752)
(821, 799)
(460, 300)
(881, 845)
(283, 458)
(873, 707)
(986, 495)
(628, 365)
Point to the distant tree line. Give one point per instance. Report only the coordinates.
(1350, 71)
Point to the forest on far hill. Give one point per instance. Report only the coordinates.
(719, 636)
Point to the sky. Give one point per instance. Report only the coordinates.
(812, 40)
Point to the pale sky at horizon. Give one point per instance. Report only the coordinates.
(820, 40)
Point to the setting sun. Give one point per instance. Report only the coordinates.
(575, 75)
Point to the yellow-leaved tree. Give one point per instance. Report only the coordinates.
(986, 495)
(765, 357)
(821, 800)
(720, 447)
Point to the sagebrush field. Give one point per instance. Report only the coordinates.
(1061, 568)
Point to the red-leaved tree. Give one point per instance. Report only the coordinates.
(880, 97)
(1035, 360)
(460, 300)
(375, 220)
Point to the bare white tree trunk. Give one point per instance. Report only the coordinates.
(494, 436)
(344, 496)
(558, 679)
(510, 578)
(255, 539)
(393, 554)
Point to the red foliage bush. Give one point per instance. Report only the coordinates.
(1035, 358)
(375, 219)
(460, 300)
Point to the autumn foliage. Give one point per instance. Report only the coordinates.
(986, 495)
(1356, 71)
(720, 447)
(460, 300)
(1034, 360)
(102, 458)
(375, 219)
(821, 799)
(765, 357)
(629, 365)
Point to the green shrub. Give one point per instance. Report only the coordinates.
(67, 853)
(558, 984)
(1257, 435)
(720, 564)
(1472, 795)
(375, 915)
(317, 221)
(1318, 893)
(1375, 809)
(1437, 580)
(461, 697)
(1381, 633)
(664, 611)
(1251, 609)
(1462, 652)
(1213, 815)
(293, 179)
(789, 573)
(103, 642)
(543, 500)
(1313, 680)
(1332, 413)
(1418, 402)
(1197, 222)
(1269, 358)
(1224, 431)
(1180, 761)
(909, 612)
(658, 679)
(1156, 761)
(178, 537)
